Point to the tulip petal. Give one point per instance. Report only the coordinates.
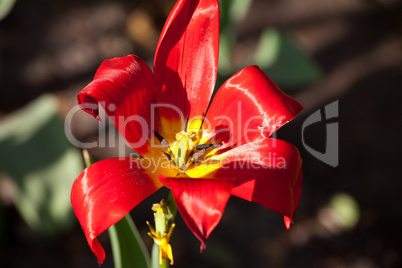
(247, 107)
(271, 176)
(200, 202)
(186, 61)
(287, 221)
(105, 192)
(296, 194)
(266, 171)
(125, 88)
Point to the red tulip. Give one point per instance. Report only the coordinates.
(204, 155)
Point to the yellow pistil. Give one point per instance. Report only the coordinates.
(189, 148)
(183, 148)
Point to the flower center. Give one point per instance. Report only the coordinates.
(183, 149)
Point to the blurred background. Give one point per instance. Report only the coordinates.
(346, 52)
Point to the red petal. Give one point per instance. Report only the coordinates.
(249, 106)
(186, 59)
(296, 193)
(267, 172)
(288, 222)
(105, 192)
(200, 202)
(125, 89)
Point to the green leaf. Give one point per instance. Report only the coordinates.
(231, 12)
(226, 40)
(268, 49)
(5, 7)
(42, 163)
(238, 9)
(127, 245)
(284, 61)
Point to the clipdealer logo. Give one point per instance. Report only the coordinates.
(331, 113)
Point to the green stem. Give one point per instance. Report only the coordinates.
(155, 258)
(127, 245)
(172, 208)
(162, 223)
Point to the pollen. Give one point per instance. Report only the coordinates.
(183, 149)
(186, 150)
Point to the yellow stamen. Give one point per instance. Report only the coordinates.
(165, 249)
(183, 148)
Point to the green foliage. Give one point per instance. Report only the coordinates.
(231, 12)
(36, 155)
(5, 7)
(127, 246)
(283, 60)
(277, 54)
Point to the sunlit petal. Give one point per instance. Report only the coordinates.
(186, 60)
(247, 107)
(105, 192)
(266, 171)
(200, 202)
(125, 88)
